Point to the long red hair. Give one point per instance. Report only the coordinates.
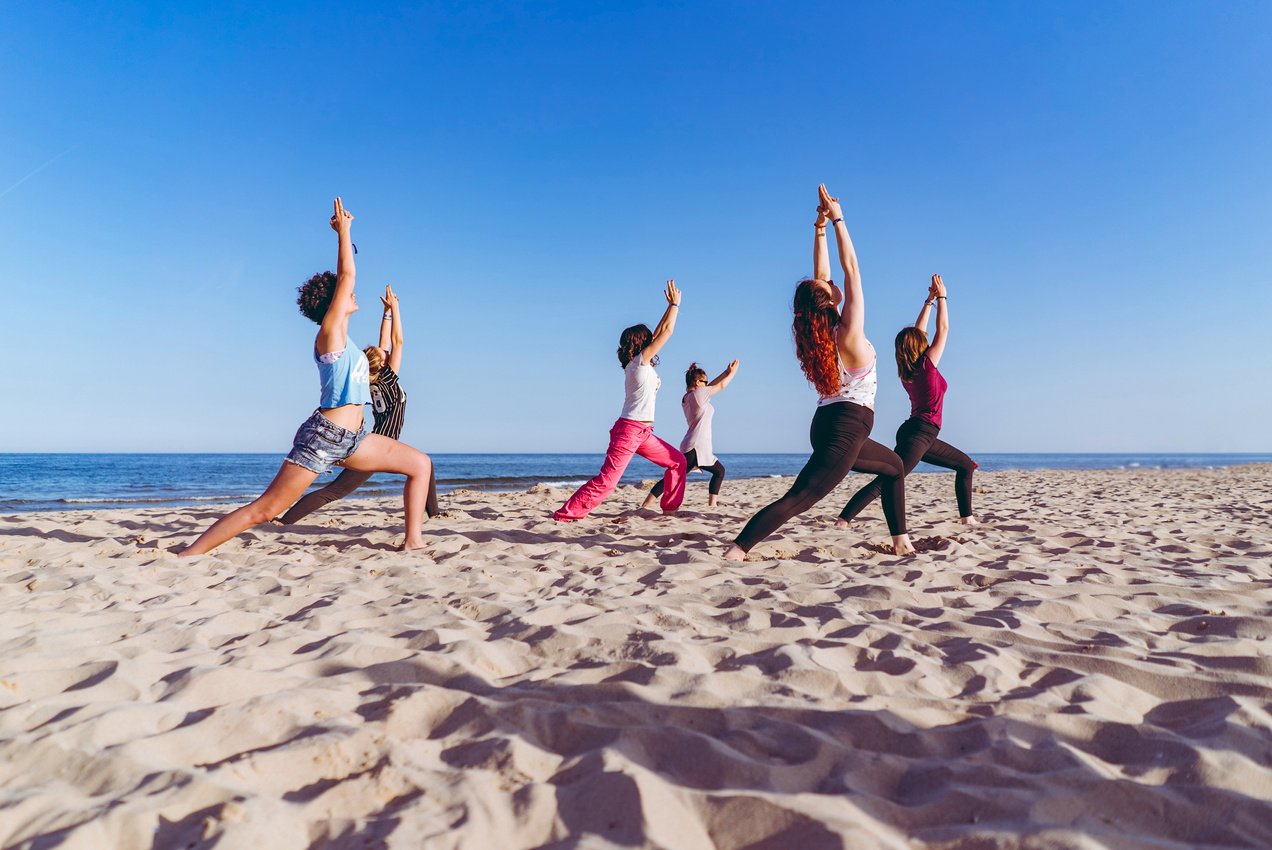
(814, 331)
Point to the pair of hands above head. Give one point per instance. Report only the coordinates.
(389, 299)
(828, 208)
(936, 289)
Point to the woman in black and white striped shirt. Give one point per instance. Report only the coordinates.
(388, 406)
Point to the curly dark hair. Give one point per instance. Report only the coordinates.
(632, 341)
(315, 296)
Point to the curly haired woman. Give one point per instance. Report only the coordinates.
(334, 434)
(840, 363)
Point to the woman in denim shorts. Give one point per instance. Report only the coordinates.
(335, 435)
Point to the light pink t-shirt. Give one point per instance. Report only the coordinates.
(698, 413)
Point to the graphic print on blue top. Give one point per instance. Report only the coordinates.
(346, 380)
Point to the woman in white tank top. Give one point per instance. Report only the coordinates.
(840, 362)
(633, 433)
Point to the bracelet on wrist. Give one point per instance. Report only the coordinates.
(940, 298)
(836, 220)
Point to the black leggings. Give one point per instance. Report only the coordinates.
(344, 484)
(840, 435)
(716, 469)
(916, 441)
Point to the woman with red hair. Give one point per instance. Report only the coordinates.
(838, 360)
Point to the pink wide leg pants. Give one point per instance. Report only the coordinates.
(629, 437)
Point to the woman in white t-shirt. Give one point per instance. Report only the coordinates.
(633, 433)
(696, 445)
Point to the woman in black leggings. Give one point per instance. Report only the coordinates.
(840, 362)
(916, 438)
(696, 444)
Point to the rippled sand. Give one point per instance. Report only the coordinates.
(1090, 668)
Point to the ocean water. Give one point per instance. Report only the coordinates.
(52, 482)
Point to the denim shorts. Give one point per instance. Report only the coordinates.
(321, 443)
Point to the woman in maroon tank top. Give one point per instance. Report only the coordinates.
(917, 436)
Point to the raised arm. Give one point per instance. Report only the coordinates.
(666, 325)
(331, 334)
(937, 347)
(926, 310)
(821, 254)
(852, 315)
(398, 336)
(722, 380)
(386, 321)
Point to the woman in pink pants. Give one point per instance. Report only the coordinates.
(633, 433)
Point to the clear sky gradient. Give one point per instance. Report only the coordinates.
(1093, 181)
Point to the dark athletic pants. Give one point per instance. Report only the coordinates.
(840, 435)
(716, 469)
(916, 441)
(344, 484)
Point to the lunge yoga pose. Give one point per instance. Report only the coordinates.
(633, 433)
(335, 433)
(840, 362)
(696, 444)
(916, 438)
(388, 407)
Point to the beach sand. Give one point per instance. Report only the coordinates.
(1090, 668)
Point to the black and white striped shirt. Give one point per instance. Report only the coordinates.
(388, 404)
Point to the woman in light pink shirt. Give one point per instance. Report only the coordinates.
(696, 444)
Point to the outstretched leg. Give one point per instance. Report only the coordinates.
(346, 482)
(378, 453)
(882, 461)
(286, 487)
(625, 437)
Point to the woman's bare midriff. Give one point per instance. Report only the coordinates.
(347, 416)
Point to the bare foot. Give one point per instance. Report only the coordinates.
(712, 501)
(669, 513)
(969, 520)
(734, 554)
(901, 545)
(411, 544)
(841, 523)
(649, 502)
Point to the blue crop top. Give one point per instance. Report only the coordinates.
(346, 378)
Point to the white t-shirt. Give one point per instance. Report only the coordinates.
(640, 388)
(698, 413)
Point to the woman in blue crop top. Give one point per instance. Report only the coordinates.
(335, 434)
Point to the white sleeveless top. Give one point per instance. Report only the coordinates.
(640, 388)
(698, 413)
(856, 385)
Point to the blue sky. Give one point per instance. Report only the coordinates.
(1091, 179)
